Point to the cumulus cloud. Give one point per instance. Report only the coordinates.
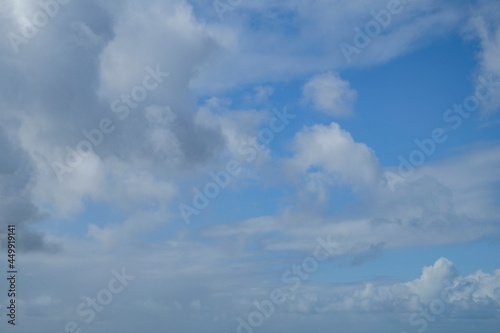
(440, 291)
(329, 155)
(330, 94)
(159, 139)
(433, 279)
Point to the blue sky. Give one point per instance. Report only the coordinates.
(226, 166)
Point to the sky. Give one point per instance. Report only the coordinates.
(236, 166)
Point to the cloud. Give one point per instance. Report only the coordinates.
(327, 155)
(262, 93)
(296, 39)
(442, 203)
(440, 290)
(433, 279)
(373, 252)
(330, 94)
(159, 140)
(483, 25)
(65, 80)
(236, 126)
(17, 206)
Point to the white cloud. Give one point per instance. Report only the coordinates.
(445, 202)
(330, 94)
(95, 52)
(262, 93)
(235, 126)
(483, 25)
(306, 40)
(433, 279)
(175, 41)
(180, 279)
(440, 290)
(329, 155)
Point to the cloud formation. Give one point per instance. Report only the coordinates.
(140, 101)
(330, 94)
